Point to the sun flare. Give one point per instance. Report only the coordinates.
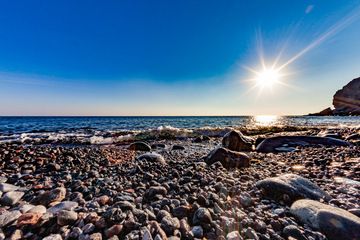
(267, 78)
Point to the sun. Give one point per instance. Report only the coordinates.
(267, 78)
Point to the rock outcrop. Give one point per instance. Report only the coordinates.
(347, 100)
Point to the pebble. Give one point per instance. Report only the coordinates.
(65, 217)
(11, 198)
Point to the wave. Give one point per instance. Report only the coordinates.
(96, 137)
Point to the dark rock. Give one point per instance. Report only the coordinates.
(140, 146)
(236, 141)
(170, 224)
(202, 216)
(65, 217)
(326, 112)
(228, 158)
(347, 100)
(334, 222)
(153, 191)
(273, 144)
(294, 232)
(177, 147)
(293, 186)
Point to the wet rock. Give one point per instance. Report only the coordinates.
(293, 186)
(273, 143)
(236, 141)
(334, 222)
(11, 198)
(228, 158)
(140, 146)
(152, 157)
(8, 217)
(65, 217)
(251, 234)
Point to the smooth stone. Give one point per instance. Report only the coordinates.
(140, 146)
(234, 235)
(66, 205)
(294, 232)
(38, 209)
(65, 217)
(197, 231)
(170, 224)
(228, 158)
(53, 237)
(25, 208)
(273, 143)
(11, 198)
(6, 187)
(152, 157)
(335, 223)
(294, 186)
(236, 141)
(153, 191)
(202, 216)
(8, 217)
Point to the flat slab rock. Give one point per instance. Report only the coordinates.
(228, 158)
(292, 185)
(274, 144)
(334, 222)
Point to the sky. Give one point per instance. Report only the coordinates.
(174, 57)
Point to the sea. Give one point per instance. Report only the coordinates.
(112, 130)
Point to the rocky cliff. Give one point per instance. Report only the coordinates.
(346, 101)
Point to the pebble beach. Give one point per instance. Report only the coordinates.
(190, 188)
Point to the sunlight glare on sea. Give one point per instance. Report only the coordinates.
(267, 120)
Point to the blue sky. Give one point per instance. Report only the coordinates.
(172, 57)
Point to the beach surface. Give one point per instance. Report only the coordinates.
(263, 184)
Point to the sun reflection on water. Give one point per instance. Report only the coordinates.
(266, 120)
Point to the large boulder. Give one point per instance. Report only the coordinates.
(275, 144)
(347, 100)
(291, 187)
(334, 222)
(228, 158)
(236, 141)
(140, 146)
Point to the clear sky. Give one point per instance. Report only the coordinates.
(173, 57)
